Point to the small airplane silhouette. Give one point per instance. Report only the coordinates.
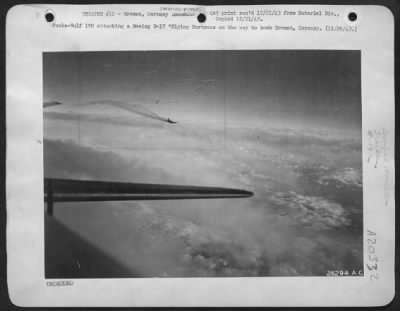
(73, 190)
(170, 121)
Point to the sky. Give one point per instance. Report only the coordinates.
(284, 88)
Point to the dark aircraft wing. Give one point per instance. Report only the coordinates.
(68, 190)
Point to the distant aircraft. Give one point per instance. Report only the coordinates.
(72, 190)
(170, 121)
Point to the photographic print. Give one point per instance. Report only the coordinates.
(202, 163)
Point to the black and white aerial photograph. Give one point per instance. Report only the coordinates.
(202, 163)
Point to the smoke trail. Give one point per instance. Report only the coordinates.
(50, 104)
(133, 108)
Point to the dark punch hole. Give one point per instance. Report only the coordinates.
(201, 18)
(352, 16)
(49, 17)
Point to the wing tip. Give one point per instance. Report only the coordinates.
(247, 194)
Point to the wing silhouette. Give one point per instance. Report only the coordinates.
(72, 190)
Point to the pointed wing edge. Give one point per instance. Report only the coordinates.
(72, 190)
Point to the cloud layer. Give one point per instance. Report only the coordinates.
(305, 217)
